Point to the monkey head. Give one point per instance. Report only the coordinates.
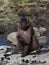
(24, 23)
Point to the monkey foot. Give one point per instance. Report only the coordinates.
(24, 54)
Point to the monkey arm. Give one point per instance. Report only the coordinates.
(31, 39)
(21, 40)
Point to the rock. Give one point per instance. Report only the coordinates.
(2, 58)
(2, 29)
(23, 64)
(8, 20)
(6, 55)
(5, 62)
(27, 61)
(8, 58)
(3, 49)
(12, 64)
(19, 61)
(42, 61)
(12, 36)
(46, 59)
(13, 59)
(37, 33)
(10, 52)
(34, 56)
(23, 60)
(33, 61)
(48, 6)
(38, 62)
(42, 30)
(42, 40)
(0, 63)
(4, 52)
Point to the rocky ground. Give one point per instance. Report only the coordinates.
(16, 59)
(8, 16)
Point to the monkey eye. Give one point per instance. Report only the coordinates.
(24, 21)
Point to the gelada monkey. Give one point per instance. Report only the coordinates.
(26, 39)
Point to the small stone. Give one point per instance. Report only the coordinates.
(42, 61)
(23, 60)
(2, 49)
(8, 58)
(5, 62)
(24, 54)
(27, 61)
(2, 58)
(34, 56)
(33, 61)
(6, 55)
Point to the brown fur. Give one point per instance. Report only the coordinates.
(26, 31)
(35, 43)
(26, 35)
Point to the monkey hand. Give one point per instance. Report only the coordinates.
(21, 40)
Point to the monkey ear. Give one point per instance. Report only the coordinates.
(21, 12)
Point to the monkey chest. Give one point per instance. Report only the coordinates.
(26, 35)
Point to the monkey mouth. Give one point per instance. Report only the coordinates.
(25, 27)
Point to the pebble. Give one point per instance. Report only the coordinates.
(34, 56)
(16, 59)
(42, 61)
(27, 61)
(8, 58)
(2, 58)
(5, 62)
(33, 61)
(23, 60)
(6, 55)
(37, 62)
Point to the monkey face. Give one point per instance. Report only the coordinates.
(24, 24)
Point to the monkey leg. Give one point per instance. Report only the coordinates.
(35, 44)
(32, 46)
(27, 50)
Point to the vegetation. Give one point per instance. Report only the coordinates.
(38, 10)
